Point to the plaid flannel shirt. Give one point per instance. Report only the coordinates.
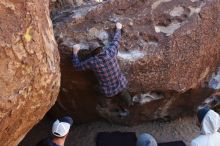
(106, 68)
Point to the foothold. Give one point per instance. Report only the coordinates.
(27, 35)
(148, 97)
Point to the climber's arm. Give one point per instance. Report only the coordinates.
(80, 65)
(112, 49)
(114, 45)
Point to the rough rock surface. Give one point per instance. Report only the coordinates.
(29, 67)
(60, 4)
(168, 46)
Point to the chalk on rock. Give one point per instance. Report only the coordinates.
(145, 98)
(98, 1)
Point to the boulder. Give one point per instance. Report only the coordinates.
(29, 67)
(169, 53)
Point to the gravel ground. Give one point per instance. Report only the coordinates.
(84, 135)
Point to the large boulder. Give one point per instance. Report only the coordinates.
(170, 47)
(29, 67)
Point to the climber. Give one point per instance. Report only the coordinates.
(104, 64)
(146, 140)
(60, 130)
(209, 122)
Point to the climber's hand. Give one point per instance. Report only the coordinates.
(119, 25)
(76, 49)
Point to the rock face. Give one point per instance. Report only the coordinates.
(29, 67)
(59, 4)
(168, 46)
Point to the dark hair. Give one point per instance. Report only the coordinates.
(85, 54)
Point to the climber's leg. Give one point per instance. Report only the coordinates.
(113, 111)
(105, 106)
(103, 101)
(126, 97)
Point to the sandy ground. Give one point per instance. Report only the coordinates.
(84, 135)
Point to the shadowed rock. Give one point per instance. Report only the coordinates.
(168, 46)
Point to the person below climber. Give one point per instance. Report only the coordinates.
(104, 64)
(145, 139)
(209, 122)
(60, 130)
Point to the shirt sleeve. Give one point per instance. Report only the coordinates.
(81, 65)
(112, 49)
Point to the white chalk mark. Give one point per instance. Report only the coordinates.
(131, 55)
(196, 10)
(168, 30)
(177, 11)
(194, 1)
(146, 98)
